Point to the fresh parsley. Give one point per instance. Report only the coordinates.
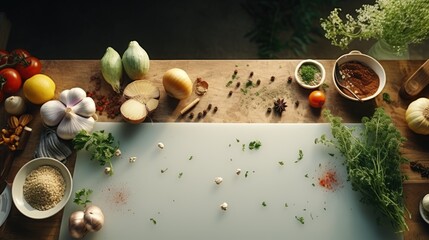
(100, 144)
(81, 197)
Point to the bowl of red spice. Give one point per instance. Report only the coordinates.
(361, 77)
(310, 74)
(42, 187)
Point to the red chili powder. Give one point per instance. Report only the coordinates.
(329, 180)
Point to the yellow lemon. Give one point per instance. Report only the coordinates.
(39, 89)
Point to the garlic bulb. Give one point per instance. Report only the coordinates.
(14, 105)
(72, 113)
(94, 218)
(77, 225)
(417, 116)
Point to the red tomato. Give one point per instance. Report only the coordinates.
(28, 67)
(4, 55)
(18, 54)
(316, 99)
(10, 81)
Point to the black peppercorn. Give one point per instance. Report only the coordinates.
(230, 93)
(289, 79)
(215, 109)
(251, 74)
(200, 115)
(191, 115)
(237, 85)
(209, 107)
(269, 110)
(204, 113)
(258, 82)
(272, 78)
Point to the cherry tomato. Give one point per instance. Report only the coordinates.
(317, 98)
(17, 55)
(4, 55)
(28, 67)
(10, 81)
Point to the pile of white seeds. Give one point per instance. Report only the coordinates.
(44, 187)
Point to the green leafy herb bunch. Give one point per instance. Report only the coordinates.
(397, 22)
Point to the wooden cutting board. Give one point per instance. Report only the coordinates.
(170, 193)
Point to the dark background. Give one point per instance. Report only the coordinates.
(166, 29)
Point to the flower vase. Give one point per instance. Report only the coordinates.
(382, 50)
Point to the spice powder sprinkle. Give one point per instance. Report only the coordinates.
(44, 187)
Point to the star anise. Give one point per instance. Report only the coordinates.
(279, 106)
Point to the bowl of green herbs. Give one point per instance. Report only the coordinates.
(310, 74)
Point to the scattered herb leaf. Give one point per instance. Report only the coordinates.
(386, 97)
(281, 163)
(300, 156)
(190, 158)
(243, 147)
(255, 144)
(153, 220)
(306, 175)
(246, 174)
(164, 170)
(300, 219)
(81, 197)
(229, 82)
(286, 205)
(180, 174)
(264, 204)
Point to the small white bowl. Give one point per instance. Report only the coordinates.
(318, 65)
(368, 61)
(423, 212)
(18, 184)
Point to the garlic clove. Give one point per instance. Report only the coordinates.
(14, 105)
(77, 228)
(85, 108)
(94, 218)
(52, 112)
(71, 97)
(72, 124)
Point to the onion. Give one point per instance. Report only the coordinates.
(177, 83)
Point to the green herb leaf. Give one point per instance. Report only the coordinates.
(101, 145)
(81, 197)
(386, 97)
(255, 144)
(300, 219)
(373, 160)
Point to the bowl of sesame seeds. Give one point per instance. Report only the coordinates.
(41, 188)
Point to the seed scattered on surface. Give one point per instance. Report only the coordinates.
(258, 82)
(224, 206)
(289, 79)
(230, 93)
(269, 110)
(251, 74)
(238, 171)
(200, 115)
(209, 107)
(191, 115)
(296, 103)
(272, 78)
(161, 145)
(108, 170)
(204, 113)
(118, 152)
(237, 85)
(218, 180)
(235, 72)
(215, 109)
(132, 159)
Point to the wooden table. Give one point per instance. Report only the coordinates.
(239, 107)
